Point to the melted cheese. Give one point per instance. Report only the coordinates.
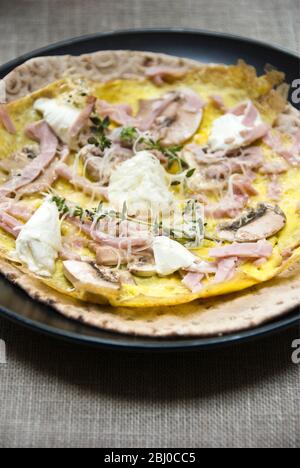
(58, 115)
(170, 256)
(226, 132)
(141, 183)
(39, 241)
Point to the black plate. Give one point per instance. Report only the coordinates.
(198, 45)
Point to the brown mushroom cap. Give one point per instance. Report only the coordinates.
(143, 266)
(88, 278)
(257, 223)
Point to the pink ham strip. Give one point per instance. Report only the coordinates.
(227, 207)
(119, 113)
(10, 224)
(247, 158)
(45, 180)
(66, 254)
(274, 188)
(193, 282)
(105, 239)
(273, 140)
(84, 115)
(260, 261)
(255, 133)
(17, 210)
(202, 267)
(257, 249)
(250, 113)
(41, 132)
(159, 75)
(6, 120)
(64, 171)
(219, 102)
(243, 185)
(274, 168)
(122, 113)
(226, 269)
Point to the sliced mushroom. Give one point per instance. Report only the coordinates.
(99, 170)
(89, 278)
(177, 116)
(142, 266)
(257, 223)
(19, 160)
(126, 277)
(181, 119)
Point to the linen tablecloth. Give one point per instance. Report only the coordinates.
(54, 394)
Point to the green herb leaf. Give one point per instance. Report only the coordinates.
(128, 135)
(190, 172)
(100, 139)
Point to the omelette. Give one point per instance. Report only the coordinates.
(157, 188)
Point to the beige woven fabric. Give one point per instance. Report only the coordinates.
(58, 395)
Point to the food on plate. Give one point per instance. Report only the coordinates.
(174, 182)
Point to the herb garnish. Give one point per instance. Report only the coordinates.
(190, 232)
(128, 135)
(65, 209)
(170, 152)
(99, 137)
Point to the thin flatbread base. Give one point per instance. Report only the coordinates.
(209, 317)
(217, 316)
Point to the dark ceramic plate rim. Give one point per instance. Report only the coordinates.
(117, 341)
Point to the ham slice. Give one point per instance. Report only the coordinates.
(64, 171)
(202, 267)
(119, 113)
(289, 120)
(291, 154)
(6, 120)
(219, 102)
(83, 117)
(149, 110)
(274, 168)
(17, 210)
(244, 159)
(193, 282)
(105, 239)
(160, 75)
(228, 207)
(226, 269)
(237, 128)
(172, 119)
(250, 118)
(274, 188)
(48, 177)
(242, 184)
(10, 224)
(259, 249)
(41, 132)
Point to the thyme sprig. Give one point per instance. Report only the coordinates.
(170, 152)
(190, 233)
(99, 129)
(129, 135)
